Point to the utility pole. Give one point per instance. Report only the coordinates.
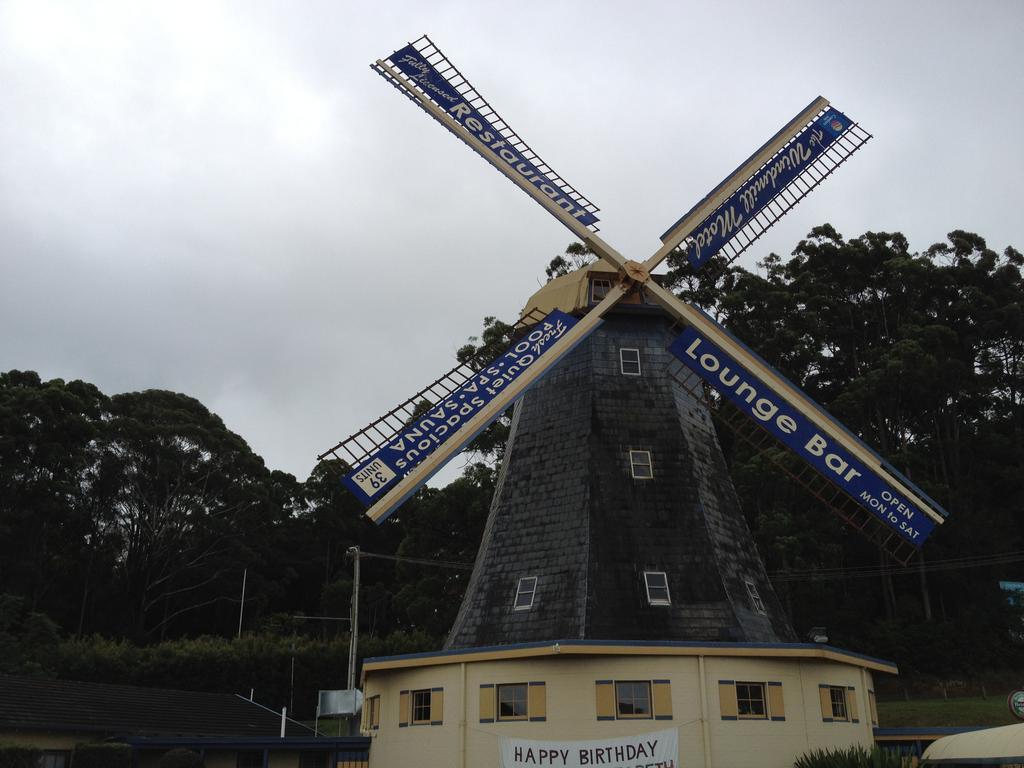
(353, 640)
(241, 603)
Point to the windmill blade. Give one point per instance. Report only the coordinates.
(354, 449)
(822, 488)
(803, 426)
(423, 73)
(391, 471)
(765, 187)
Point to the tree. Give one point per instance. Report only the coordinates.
(49, 454)
(444, 525)
(191, 496)
(575, 257)
(920, 354)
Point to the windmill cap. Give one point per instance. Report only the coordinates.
(571, 293)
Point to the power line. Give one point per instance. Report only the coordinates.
(420, 561)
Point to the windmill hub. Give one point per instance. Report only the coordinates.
(636, 271)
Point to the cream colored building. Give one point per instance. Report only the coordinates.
(732, 704)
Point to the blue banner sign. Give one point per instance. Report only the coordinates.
(711, 235)
(832, 461)
(443, 94)
(378, 472)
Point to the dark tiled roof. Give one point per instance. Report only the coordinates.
(34, 704)
(567, 511)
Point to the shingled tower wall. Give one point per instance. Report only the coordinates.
(568, 511)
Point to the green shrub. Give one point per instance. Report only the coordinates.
(181, 758)
(18, 757)
(851, 757)
(102, 756)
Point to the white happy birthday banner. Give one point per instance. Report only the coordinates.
(647, 750)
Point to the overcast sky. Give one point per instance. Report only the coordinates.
(223, 200)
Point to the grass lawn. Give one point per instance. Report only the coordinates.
(945, 712)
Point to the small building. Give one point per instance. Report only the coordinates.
(705, 704)
(229, 731)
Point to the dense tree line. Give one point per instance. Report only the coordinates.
(135, 516)
(127, 521)
(922, 354)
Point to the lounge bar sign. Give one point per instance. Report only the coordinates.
(417, 441)
(786, 423)
(659, 749)
(711, 235)
(439, 90)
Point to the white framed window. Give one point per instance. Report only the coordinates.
(512, 701)
(755, 599)
(629, 361)
(640, 465)
(750, 701)
(421, 707)
(525, 593)
(656, 583)
(599, 289)
(633, 699)
(837, 696)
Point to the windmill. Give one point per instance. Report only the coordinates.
(563, 667)
(396, 454)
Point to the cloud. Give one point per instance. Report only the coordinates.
(221, 199)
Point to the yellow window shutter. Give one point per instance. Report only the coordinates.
(776, 703)
(436, 706)
(727, 699)
(851, 705)
(605, 699)
(873, 703)
(403, 708)
(537, 702)
(661, 695)
(826, 702)
(487, 703)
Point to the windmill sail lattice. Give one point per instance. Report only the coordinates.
(756, 221)
(412, 82)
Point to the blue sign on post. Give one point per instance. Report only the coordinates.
(378, 472)
(808, 145)
(832, 461)
(437, 88)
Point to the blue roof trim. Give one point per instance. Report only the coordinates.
(338, 743)
(629, 644)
